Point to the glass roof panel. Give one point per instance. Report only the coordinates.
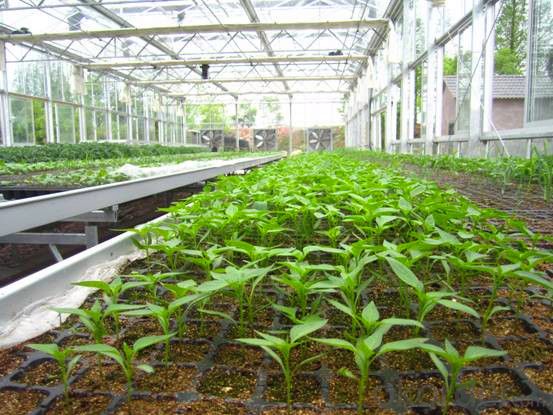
(47, 16)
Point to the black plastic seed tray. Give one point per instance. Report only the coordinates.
(210, 343)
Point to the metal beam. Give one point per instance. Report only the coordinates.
(37, 211)
(204, 94)
(53, 50)
(46, 238)
(254, 18)
(108, 14)
(56, 279)
(261, 79)
(191, 29)
(223, 61)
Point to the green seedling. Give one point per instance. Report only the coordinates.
(65, 358)
(126, 357)
(500, 275)
(172, 249)
(270, 229)
(280, 348)
(207, 259)
(94, 319)
(350, 284)
(456, 363)
(369, 319)
(255, 254)
(111, 292)
(144, 238)
(152, 281)
(241, 284)
(303, 288)
(427, 301)
(365, 350)
(164, 316)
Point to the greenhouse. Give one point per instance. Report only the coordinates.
(276, 207)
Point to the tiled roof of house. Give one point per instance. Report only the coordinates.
(504, 86)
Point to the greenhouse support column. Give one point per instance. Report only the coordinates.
(82, 119)
(5, 130)
(439, 95)
(146, 107)
(184, 123)
(109, 135)
(129, 121)
(431, 88)
(478, 39)
(407, 78)
(290, 131)
(391, 130)
(489, 58)
(236, 126)
(48, 105)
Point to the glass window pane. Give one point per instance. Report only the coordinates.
(22, 121)
(101, 126)
(541, 75)
(89, 115)
(464, 75)
(123, 127)
(65, 124)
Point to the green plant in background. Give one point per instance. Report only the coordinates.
(280, 349)
(126, 357)
(365, 350)
(88, 151)
(65, 358)
(456, 363)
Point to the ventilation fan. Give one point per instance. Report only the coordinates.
(265, 140)
(211, 138)
(319, 139)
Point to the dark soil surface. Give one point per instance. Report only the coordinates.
(18, 402)
(493, 385)
(79, 404)
(344, 390)
(421, 389)
(524, 202)
(306, 388)
(542, 377)
(228, 382)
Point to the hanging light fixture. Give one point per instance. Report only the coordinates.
(205, 71)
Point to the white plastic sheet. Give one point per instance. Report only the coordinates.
(37, 318)
(136, 172)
